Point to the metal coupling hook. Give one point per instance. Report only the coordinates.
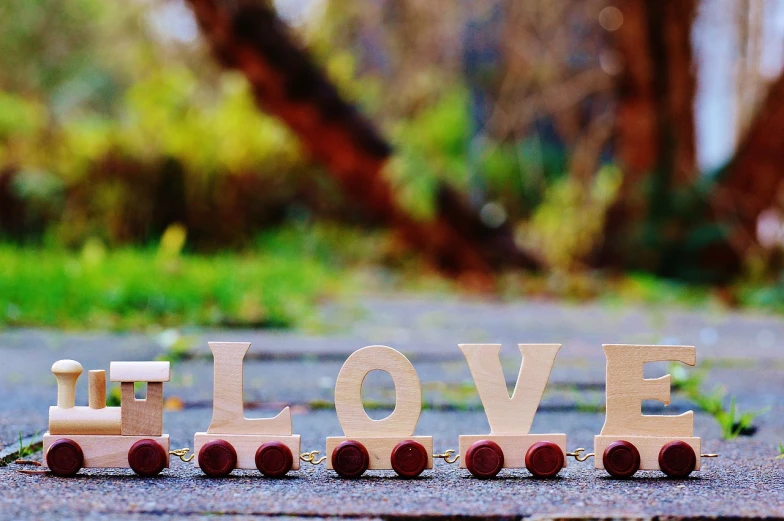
(310, 457)
(579, 456)
(183, 454)
(448, 456)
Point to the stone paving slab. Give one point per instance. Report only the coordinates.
(742, 352)
(432, 328)
(746, 481)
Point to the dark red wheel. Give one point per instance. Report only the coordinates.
(544, 459)
(484, 459)
(350, 459)
(217, 458)
(677, 459)
(274, 459)
(409, 458)
(64, 457)
(621, 459)
(147, 458)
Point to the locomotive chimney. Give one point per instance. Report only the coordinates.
(97, 389)
(66, 372)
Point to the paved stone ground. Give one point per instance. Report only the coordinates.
(744, 353)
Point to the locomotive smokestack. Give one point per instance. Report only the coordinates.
(66, 372)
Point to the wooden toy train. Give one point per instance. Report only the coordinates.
(132, 435)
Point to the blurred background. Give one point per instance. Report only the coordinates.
(198, 162)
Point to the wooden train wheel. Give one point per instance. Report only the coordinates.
(484, 459)
(350, 459)
(217, 458)
(64, 457)
(274, 459)
(621, 459)
(147, 458)
(544, 459)
(409, 458)
(677, 459)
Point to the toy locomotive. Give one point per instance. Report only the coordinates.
(99, 436)
(132, 435)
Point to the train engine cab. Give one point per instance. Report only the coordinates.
(97, 436)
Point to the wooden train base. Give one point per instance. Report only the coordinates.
(66, 455)
(623, 456)
(218, 454)
(409, 456)
(544, 455)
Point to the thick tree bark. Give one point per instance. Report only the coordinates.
(654, 135)
(248, 36)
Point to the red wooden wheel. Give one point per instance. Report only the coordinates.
(677, 459)
(544, 459)
(147, 458)
(274, 459)
(64, 457)
(621, 459)
(350, 459)
(484, 459)
(409, 458)
(217, 458)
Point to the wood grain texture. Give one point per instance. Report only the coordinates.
(379, 448)
(246, 446)
(139, 371)
(348, 394)
(648, 447)
(67, 373)
(515, 414)
(106, 451)
(142, 417)
(96, 389)
(626, 390)
(228, 409)
(514, 446)
(84, 420)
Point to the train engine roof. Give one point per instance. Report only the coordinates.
(139, 372)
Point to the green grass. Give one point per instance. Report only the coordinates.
(781, 451)
(278, 281)
(138, 288)
(731, 420)
(26, 450)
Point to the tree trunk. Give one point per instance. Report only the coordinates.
(654, 135)
(250, 37)
(748, 185)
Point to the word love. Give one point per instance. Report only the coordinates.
(132, 435)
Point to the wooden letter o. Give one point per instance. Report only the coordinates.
(348, 393)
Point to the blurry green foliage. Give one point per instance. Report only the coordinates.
(432, 148)
(114, 134)
(566, 226)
